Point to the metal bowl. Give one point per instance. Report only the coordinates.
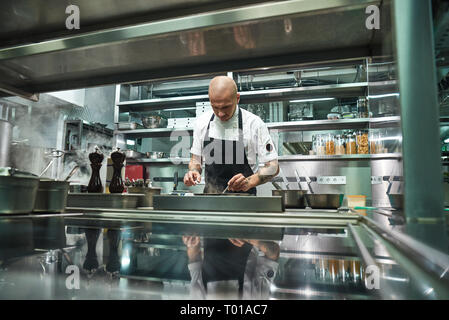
(291, 198)
(324, 201)
(396, 201)
(131, 154)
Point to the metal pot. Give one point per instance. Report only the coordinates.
(51, 196)
(131, 154)
(324, 201)
(291, 198)
(146, 201)
(17, 191)
(5, 142)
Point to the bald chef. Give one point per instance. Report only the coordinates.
(237, 148)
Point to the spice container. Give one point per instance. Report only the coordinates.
(320, 145)
(351, 144)
(330, 144)
(340, 145)
(362, 142)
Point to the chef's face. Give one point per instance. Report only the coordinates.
(224, 103)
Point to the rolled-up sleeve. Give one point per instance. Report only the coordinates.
(197, 144)
(266, 149)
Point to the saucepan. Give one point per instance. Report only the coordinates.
(52, 194)
(291, 198)
(17, 191)
(324, 201)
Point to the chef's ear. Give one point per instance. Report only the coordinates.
(238, 97)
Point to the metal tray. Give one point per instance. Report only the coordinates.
(103, 200)
(218, 203)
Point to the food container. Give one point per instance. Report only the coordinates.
(362, 107)
(103, 200)
(324, 201)
(351, 144)
(291, 198)
(357, 201)
(51, 196)
(340, 145)
(330, 144)
(320, 145)
(17, 191)
(147, 200)
(362, 142)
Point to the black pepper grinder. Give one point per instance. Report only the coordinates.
(117, 185)
(96, 158)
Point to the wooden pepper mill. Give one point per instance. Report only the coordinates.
(96, 158)
(117, 185)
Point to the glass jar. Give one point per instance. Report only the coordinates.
(340, 145)
(362, 142)
(313, 151)
(330, 144)
(362, 107)
(320, 145)
(351, 144)
(380, 147)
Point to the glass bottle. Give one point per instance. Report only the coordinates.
(340, 145)
(330, 144)
(362, 142)
(351, 145)
(320, 145)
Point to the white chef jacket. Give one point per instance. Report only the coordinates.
(259, 146)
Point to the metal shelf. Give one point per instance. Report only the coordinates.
(154, 133)
(334, 90)
(341, 124)
(346, 157)
(164, 160)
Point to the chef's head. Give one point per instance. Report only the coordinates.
(223, 97)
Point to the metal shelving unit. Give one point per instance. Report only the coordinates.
(348, 157)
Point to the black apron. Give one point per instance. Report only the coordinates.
(217, 175)
(223, 260)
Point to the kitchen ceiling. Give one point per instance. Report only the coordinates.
(178, 42)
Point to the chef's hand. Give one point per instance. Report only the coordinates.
(241, 242)
(192, 178)
(191, 241)
(239, 183)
